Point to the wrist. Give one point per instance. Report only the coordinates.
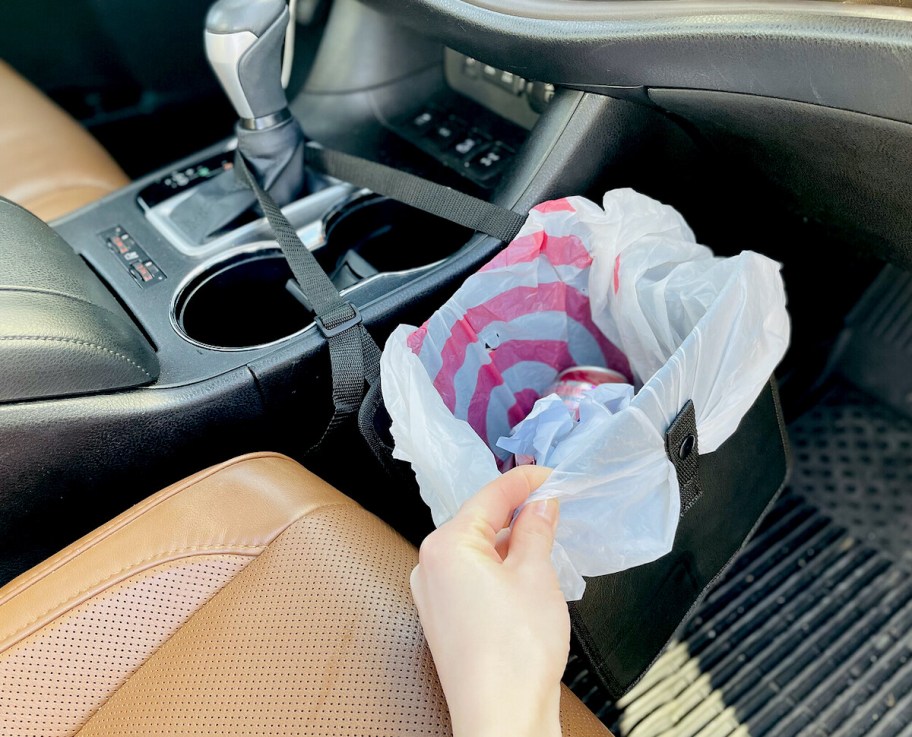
(541, 718)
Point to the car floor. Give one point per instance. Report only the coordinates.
(810, 630)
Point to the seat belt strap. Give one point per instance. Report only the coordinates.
(353, 353)
(450, 204)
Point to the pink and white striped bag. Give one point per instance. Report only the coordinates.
(623, 286)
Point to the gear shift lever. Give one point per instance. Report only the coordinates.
(244, 45)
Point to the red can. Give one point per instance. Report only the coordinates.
(572, 383)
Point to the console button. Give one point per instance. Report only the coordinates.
(471, 67)
(512, 83)
(123, 245)
(145, 272)
(539, 95)
(489, 161)
(443, 135)
(423, 121)
(490, 73)
(468, 144)
(117, 244)
(132, 256)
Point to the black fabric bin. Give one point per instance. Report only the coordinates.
(624, 620)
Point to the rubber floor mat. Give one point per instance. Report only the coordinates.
(810, 630)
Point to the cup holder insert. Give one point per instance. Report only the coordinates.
(241, 303)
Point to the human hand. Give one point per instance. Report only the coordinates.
(493, 613)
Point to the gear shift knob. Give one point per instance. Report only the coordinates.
(244, 45)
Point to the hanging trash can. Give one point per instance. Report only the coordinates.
(664, 468)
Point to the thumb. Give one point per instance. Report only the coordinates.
(533, 534)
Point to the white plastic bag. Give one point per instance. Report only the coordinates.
(624, 286)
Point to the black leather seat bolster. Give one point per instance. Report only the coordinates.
(61, 331)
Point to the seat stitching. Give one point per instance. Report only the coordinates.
(196, 613)
(50, 293)
(75, 341)
(130, 516)
(160, 555)
(88, 717)
(135, 564)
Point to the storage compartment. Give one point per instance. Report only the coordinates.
(242, 302)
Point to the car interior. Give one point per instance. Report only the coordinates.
(174, 518)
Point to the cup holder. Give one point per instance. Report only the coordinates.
(241, 303)
(388, 235)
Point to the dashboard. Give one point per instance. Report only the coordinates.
(851, 56)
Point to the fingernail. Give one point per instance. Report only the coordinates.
(549, 509)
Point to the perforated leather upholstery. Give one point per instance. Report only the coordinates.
(251, 599)
(48, 163)
(52, 681)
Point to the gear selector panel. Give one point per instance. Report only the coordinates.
(180, 180)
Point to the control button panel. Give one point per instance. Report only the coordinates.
(508, 81)
(181, 179)
(464, 137)
(510, 95)
(130, 254)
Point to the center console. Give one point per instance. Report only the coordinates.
(234, 359)
(214, 306)
(197, 267)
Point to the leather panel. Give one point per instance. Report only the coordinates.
(44, 356)
(61, 331)
(576, 719)
(325, 640)
(236, 508)
(54, 680)
(48, 163)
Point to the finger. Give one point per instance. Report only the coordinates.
(416, 584)
(533, 534)
(502, 543)
(494, 505)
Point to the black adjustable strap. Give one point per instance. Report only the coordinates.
(436, 199)
(354, 356)
(682, 447)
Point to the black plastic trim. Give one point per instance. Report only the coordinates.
(850, 57)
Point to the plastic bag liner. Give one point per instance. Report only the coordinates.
(626, 287)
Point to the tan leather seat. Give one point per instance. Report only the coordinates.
(249, 599)
(48, 163)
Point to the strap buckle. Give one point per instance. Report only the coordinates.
(351, 322)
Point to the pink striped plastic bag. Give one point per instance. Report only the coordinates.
(623, 286)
